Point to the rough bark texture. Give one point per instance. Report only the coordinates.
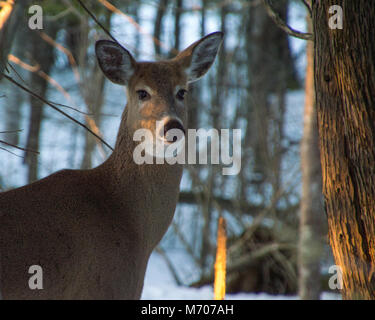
(312, 220)
(345, 86)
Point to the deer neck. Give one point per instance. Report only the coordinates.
(148, 193)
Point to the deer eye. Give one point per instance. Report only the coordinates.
(181, 94)
(142, 95)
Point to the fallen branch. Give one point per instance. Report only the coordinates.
(229, 205)
(246, 261)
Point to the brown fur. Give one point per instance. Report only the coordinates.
(92, 231)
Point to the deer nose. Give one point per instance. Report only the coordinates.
(173, 130)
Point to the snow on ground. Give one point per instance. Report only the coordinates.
(160, 285)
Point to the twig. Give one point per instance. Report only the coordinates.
(72, 108)
(15, 71)
(307, 5)
(60, 15)
(91, 122)
(96, 20)
(55, 108)
(67, 52)
(1, 148)
(73, 9)
(283, 25)
(17, 147)
(12, 131)
(111, 7)
(36, 69)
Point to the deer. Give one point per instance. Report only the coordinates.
(92, 231)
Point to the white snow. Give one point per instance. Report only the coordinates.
(160, 285)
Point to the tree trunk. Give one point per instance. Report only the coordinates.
(312, 221)
(15, 98)
(345, 100)
(270, 71)
(161, 11)
(93, 92)
(43, 54)
(94, 98)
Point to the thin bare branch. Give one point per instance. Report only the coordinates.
(96, 20)
(308, 6)
(17, 147)
(91, 122)
(60, 15)
(15, 71)
(74, 10)
(12, 131)
(55, 108)
(283, 25)
(46, 77)
(114, 9)
(72, 108)
(4, 149)
(67, 52)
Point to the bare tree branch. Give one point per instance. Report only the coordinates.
(1, 148)
(283, 25)
(17, 147)
(12, 131)
(55, 108)
(308, 6)
(96, 20)
(137, 26)
(228, 204)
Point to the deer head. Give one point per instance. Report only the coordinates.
(156, 91)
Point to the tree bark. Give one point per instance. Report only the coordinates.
(345, 100)
(43, 54)
(161, 11)
(312, 220)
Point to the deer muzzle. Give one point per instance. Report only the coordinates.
(171, 130)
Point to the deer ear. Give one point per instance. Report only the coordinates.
(199, 57)
(116, 62)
